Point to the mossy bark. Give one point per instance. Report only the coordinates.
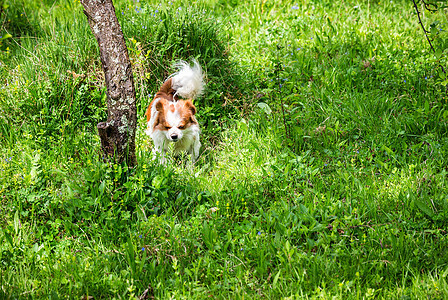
(118, 132)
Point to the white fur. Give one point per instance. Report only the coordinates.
(188, 81)
(188, 142)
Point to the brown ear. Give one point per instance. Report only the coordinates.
(189, 105)
(148, 113)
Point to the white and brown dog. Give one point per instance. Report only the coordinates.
(172, 120)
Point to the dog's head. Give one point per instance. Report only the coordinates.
(174, 118)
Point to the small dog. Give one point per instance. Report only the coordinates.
(172, 120)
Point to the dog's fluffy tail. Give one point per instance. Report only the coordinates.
(188, 82)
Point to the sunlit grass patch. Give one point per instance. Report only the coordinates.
(243, 155)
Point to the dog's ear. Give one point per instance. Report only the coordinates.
(148, 113)
(189, 105)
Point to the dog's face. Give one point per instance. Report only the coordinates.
(175, 119)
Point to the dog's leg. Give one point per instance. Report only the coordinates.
(194, 149)
(159, 154)
(159, 151)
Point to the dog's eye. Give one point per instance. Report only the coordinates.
(168, 127)
(181, 127)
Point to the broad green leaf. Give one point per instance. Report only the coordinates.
(265, 107)
(424, 207)
(274, 282)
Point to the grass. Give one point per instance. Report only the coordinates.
(323, 167)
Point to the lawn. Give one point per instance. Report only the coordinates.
(322, 175)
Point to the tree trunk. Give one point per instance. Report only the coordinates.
(118, 133)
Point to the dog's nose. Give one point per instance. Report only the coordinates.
(174, 137)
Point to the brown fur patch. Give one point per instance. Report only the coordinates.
(165, 92)
(186, 111)
(185, 108)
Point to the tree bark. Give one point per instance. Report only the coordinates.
(118, 132)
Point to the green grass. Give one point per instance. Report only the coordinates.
(322, 173)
